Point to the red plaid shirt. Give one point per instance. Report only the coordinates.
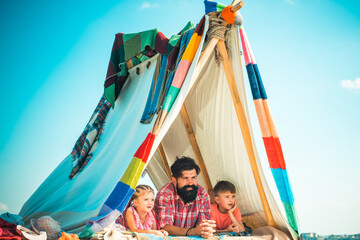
(171, 209)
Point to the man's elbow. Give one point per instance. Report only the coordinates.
(167, 227)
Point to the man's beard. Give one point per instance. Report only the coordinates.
(187, 195)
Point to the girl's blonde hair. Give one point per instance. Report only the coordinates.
(140, 190)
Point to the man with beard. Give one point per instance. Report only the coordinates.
(182, 206)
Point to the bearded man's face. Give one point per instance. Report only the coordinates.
(186, 185)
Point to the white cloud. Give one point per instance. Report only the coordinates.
(3, 207)
(351, 84)
(146, 5)
(290, 2)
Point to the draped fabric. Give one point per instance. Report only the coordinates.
(136, 47)
(119, 197)
(270, 136)
(162, 81)
(73, 202)
(101, 191)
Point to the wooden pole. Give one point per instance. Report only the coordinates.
(164, 160)
(237, 6)
(245, 130)
(196, 149)
(204, 57)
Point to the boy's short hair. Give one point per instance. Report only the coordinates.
(183, 164)
(224, 186)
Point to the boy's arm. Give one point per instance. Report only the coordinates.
(238, 223)
(231, 228)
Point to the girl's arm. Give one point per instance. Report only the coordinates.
(154, 227)
(129, 218)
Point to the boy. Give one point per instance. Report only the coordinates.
(225, 211)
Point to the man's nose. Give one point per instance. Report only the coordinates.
(191, 182)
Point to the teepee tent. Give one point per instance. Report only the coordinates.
(165, 98)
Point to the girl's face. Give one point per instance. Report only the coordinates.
(145, 202)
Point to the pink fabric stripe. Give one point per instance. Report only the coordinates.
(252, 57)
(181, 72)
(245, 50)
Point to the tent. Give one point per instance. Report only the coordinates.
(168, 97)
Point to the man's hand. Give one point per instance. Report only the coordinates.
(205, 229)
(232, 228)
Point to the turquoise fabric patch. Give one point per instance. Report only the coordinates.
(283, 185)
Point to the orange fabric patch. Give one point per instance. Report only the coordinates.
(263, 121)
(67, 236)
(228, 15)
(270, 119)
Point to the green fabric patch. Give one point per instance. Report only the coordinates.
(220, 7)
(109, 93)
(128, 36)
(170, 98)
(87, 233)
(143, 58)
(148, 38)
(174, 39)
(132, 47)
(291, 215)
(188, 26)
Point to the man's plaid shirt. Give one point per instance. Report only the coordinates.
(171, 210)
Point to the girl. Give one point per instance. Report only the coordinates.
(140, 217)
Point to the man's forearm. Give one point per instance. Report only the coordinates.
(175, 231)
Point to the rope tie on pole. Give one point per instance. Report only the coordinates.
(217, 28)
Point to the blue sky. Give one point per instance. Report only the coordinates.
(55, 57)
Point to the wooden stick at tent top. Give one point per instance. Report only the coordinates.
(196, 150)
(237, 6)
(164, 160)
(245, 130)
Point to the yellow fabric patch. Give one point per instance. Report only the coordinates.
(133, 172)
(191, 48)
